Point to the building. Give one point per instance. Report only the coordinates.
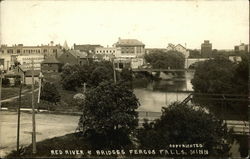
(74, 57)
(106, 50)
(87, 48)
(6, 62)
(26, 75)
(51, 64)
(206, 49)
(241, 48)
(129, 53)
(235, 58)
(178, 48)
(121, 63)
(26, 61)
(20, 49)
(107, 53)
(130, 48)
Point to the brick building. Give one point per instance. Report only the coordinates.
(51, 64)
(74, 57)
(206, 49)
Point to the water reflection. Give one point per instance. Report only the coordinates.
(153, 95)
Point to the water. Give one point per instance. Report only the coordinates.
(157, 94)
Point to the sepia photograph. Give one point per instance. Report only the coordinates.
(124, 79)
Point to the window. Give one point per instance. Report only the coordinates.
(18, 51)
(9, 51)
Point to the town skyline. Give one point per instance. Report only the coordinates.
(154, 23)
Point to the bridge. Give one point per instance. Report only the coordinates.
(161, 70)
(191, 61)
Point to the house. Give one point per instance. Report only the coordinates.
(178, 48)
(26, 75)
(51, 64)
(74, 57)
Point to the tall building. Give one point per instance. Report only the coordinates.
(242, 47)
(206, 49)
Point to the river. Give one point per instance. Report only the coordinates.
(154, 95)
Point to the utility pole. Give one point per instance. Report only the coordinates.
(40, 85)
(33, 113)
(248, 51)
(84, 87)
(114, 70)
(18, 118)
(249, 99)
(1, 89)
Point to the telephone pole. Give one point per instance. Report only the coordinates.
(33, 113)
(1, 76)
(18, 118)
(114, 70)
(249, 98)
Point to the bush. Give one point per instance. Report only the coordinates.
(184, 124)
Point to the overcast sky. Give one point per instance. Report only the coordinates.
(155, 23)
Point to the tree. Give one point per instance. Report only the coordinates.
(194, 54)
(126, 76)
(185, 124)
(70, 78)
(218, 77)
(214, 76)
(100, 74)
(241, 75)
(109, 113)
(170, 59)
(73, 76)
(50, 93)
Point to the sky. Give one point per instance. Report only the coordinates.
(155, 23)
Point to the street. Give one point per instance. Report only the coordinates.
(48, 126)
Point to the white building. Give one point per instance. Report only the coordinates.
(234, 58)
(26, 61)
(7, 61)
(179, 48)
(108, 52)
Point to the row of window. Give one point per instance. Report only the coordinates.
(36, 58)
(105, 51)
(29, 51)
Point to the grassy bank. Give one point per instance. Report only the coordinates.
(8, 92)
(66, 103)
